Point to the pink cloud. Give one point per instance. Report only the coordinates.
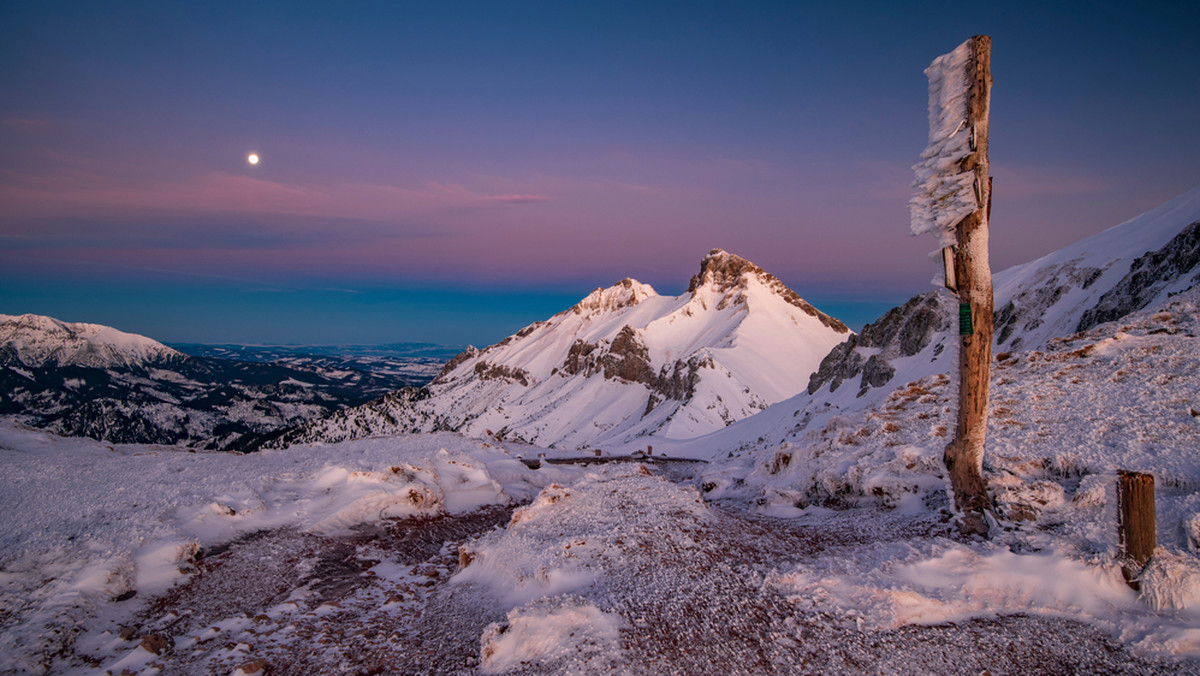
(82, 192)
(23, 122)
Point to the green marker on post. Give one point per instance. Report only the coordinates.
(965, 327)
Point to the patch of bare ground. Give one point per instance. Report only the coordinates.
(360, 603)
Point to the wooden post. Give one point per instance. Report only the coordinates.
(964, 455)
(1136, 526)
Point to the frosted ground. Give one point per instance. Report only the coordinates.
(811, 550)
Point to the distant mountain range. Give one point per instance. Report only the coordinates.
(91, 380)
(621, 365)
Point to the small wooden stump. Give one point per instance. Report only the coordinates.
(1136, 523)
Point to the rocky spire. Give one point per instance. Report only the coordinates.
(726, 272)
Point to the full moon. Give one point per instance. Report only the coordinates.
(253, 158)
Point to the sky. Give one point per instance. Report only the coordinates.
(452, 171)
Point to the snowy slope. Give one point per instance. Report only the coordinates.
(1051, 296)
(818, 535)
(34, 340)
(623, 366)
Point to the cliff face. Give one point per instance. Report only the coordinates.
(904, 331)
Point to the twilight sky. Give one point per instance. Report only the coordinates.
(452, 171)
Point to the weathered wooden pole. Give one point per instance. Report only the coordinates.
(954, 202)
(1136, 527)
(964, 455)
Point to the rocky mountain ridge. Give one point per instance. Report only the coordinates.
(36, 341)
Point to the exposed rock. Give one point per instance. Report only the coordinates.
(902, 332)
(514, 374)
(579, 358)
(1147, 277)
(877, 372)
(627, 358)
(680, 379)
(625, 293)
(470, 353)
(158, 644)
(258, 666)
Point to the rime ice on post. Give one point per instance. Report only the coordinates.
(951, 202)
(945, 192)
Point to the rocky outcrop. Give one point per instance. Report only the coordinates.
(903, 332)
(1147, 277)
(1025, 311)
(627, 358)
(470, 353)
(514, 374)
(625, 293)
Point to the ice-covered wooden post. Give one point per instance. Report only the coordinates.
(953, 202)
(1136, 525)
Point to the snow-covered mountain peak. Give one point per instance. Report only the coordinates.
(733, 280)
(622, 366)
(723, 270)
(36, 340)
(625, 293)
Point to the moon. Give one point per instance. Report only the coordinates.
(253, 158)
